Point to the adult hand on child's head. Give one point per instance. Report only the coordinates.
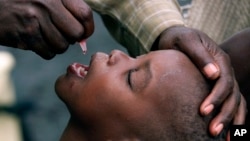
(46, 27)
(215, 65)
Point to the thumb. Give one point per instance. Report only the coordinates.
(211, 70)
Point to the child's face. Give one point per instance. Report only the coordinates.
(118, 88)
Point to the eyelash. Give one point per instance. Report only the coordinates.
(129, 77)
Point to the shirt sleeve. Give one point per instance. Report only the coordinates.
(137, 23)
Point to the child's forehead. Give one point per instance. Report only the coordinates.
(163, 54)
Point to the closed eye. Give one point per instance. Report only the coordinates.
(129, 79)
(138, 78)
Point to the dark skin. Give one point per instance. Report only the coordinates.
(238, 48)
(46, 27)
(148, 104)
(112, 111)
(49, 27)
(76, 129)
(198, 45)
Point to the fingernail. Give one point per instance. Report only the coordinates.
(211, 71)
(208, 109)
(218, 129)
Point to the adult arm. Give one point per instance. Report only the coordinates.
(46, 27)
(142, 26)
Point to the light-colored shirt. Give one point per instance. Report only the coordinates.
(137, 23)
(219, 19)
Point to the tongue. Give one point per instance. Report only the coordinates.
(83, 46)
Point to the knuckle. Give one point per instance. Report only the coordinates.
(228, 115)
(188, 33)
(230, 83)
(30, 21)
(31, 11)
(228, 86)
(86, 12)
(62, 47)
(238, 100)
(224, 56)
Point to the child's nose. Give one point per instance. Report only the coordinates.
(117, 56)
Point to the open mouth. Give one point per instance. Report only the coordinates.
(78, 69)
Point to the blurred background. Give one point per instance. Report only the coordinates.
(36, 109)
